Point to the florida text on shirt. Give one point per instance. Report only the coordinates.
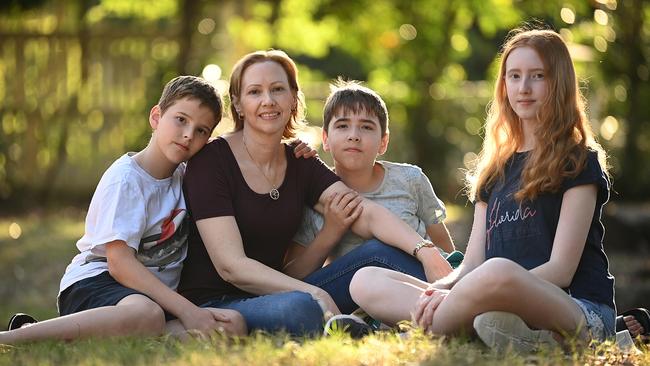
(496, 217)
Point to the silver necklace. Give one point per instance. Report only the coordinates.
(274, 193)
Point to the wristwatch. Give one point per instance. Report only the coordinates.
(424, 243)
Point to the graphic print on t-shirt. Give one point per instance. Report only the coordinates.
(511, 215)
(163, 248)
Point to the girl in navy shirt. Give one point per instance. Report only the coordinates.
(535, 271)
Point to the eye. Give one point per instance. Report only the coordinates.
(368, 127)
(253, 92)
(203, 131)
(513, 76)
(538, 76)
(181, 119)
(341, 126)
(278, 88)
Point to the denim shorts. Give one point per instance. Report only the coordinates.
(601, 319)
(95, 292)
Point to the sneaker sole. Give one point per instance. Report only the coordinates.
(501, 331)
(350, 324)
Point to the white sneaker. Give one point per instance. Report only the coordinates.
(625, 343)
(500, 331)
(351, 324)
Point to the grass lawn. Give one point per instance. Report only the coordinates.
(35, 249)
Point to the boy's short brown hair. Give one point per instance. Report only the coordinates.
(352, 96)
(192, 87)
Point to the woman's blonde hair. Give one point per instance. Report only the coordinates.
(296, 121)
(564, 135)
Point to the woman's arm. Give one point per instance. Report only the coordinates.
(576, 214)
(224, 245)
(440, 237)
(340, 211)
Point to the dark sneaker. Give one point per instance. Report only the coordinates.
(20, 319)
(351, 324)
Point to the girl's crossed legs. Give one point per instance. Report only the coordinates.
(498, 284)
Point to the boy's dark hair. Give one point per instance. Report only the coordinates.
(352, 96)
(192, 87)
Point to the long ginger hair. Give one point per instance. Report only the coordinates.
(563, 137)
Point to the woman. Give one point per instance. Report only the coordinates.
(246, 192)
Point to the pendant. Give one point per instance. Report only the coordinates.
(275, 194)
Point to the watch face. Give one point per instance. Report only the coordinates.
(423, 244)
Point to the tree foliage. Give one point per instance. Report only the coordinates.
(77, 78)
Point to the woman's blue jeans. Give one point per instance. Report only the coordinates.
(297, 312)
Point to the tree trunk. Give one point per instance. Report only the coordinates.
(632, 22)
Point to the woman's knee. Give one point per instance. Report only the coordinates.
(298, 312)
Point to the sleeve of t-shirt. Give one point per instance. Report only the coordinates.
(207, 191)
(591, 174)
(119, 213)
(308, 228)
(430, 210)
(317, 176)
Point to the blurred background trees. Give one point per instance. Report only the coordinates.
(77, 78)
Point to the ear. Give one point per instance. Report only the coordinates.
(235, 102)
(326, 145)
(154, 116)
(383, 146)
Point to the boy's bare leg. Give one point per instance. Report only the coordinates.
(133, 315)
(233, 324)
(386, 295)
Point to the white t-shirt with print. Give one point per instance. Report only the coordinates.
(405, 191)
(148, 214)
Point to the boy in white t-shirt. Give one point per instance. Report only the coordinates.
(123, 280)
(355, 132)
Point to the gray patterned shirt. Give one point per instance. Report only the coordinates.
(405, 191)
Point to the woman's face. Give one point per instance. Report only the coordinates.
(266, 99)
(525, 82)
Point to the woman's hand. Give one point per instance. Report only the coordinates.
(340, 211)
(326, 303)
(425, 307)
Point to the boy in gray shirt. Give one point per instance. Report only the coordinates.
(355, 132)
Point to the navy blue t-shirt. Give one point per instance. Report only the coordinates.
(524, 232)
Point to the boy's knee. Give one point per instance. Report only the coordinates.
(375, 247)
(153, 319)
(145, 317)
